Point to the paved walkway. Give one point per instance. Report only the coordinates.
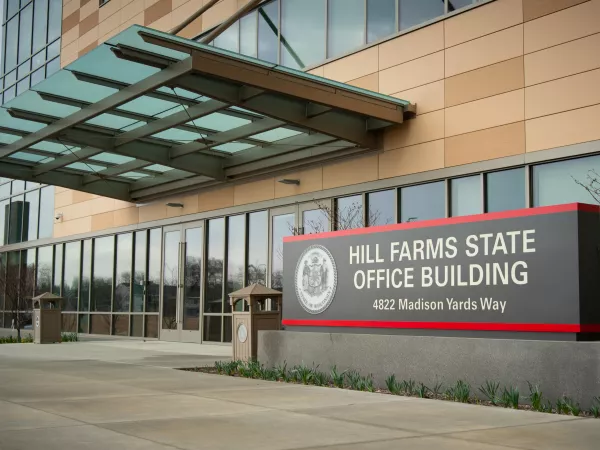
(125, 395)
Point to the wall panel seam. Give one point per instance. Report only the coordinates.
(414, 145)
(410, 60)
(553, 12)
(563, 112)
(483, 129)
(562, 43)
(484, 35)
(487, 96)
(563, 77)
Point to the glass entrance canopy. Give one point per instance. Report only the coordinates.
(148, 114)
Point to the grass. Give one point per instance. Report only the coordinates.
(26, 339)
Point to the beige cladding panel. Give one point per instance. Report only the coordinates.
(352, 67)
(154, 211)
(413, 159)
(407, 47)
(351, 171)
(71, 227)
(131, 9)
(215, 199)
(532, 9)
(189, 202)
(563, 26)
(556, 130)
(481, 52)
(485, 82)
(486, 113)
(70, 21)
(158, 10)
(109, 24)
(218, 13)
(256, 191)
(423, 128)
(414, 73)
(311, 180)
(127, 216)
(89, 8)
(484, 20)
(103, 221)
(370, 82)
(576, 56)
(111, 8)
(429, 97)
(563, 94)
(497, 142)
(88, 23)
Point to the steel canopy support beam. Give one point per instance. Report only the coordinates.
(114, 171)
(112, 101)
(67, 159)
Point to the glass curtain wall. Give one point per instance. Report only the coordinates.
(30, 44)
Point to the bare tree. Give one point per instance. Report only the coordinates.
(591, 184)
(17, 282)
(345, 218)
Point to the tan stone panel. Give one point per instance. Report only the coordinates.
(532, 9)
(484, 20)
(218, 13)
(575, 57)
(73, 227)
(311, 180)
(414, 73)
(128, 216)
(102, 204)
(109, 24)
(563, 26)
(103, 221)
(59, 189)
(83, 2)
(486, 113)
(154, 211)
(563, 94)
(407, 47)
(318, 71)
(109, 35)
(70, 36)
(91, 46)
(429, 97)
(423, 128)
(70, 21)
(135, 20)
(189, 202)
(88, 38)
(490, 80)
(370, 82)
(68, 58)
(255, 191)
(215, 199)
(481, 52)
(556, 130)
(353, 66)
(192, 30)
(69, 53)
(183, 11)
(75, 211)
(351, 171)
(132, 9)
(498, 142)
(413, 159)
(63, 198)
(79, 196)
(70, 7)
(88, 23)
(157, 10)
(109, 9)
(165, 23)
(120, 204)
(89, 8)
(149, 3)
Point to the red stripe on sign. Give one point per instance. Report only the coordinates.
(569, 207)
(476, 326)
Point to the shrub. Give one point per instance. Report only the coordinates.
(422, 390)
(220, 367)
(281, 372)
(320, 378)
(461, 391)
(535, 396)
(569, 406)
(69, 337)
(354, 380)
(303, 374)
(338, 378)
(409, 387)
(367, 384)
(490, 391)
(392, 384)
(510, 398)
(561, 406)
(232, 367)
(437, 389)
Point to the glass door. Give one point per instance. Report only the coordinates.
(315, 217)
(283, 224)
(182, 283)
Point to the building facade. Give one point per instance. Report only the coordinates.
(507, 96)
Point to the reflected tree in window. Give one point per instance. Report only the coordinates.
(17, 282)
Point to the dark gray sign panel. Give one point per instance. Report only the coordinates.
(529, 270)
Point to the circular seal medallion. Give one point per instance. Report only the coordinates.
(242, 333)
(315, 279)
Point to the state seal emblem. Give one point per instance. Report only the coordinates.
(315, 279)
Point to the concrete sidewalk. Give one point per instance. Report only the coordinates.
(125, 394)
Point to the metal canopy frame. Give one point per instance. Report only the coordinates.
(148, 114)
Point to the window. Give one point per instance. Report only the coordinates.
(44, 270)
(54, 19)
(153, 287)
(415, 12)
(193, 278)
(32, 205)
(258, 239)
(346, 26)
(102, 277)
(315, 221)
(46, 212)
(302, 32)
(71, 275)
(423, 202)
(349, 212)
(268, 20)
(236, 254)
(382, 208)
(58, 270)
(170, 279)
(283, 225)
(248, 34)
(453, 5)
(40, 24)
(213, 298)
(465, 195)
(15, 219)
(122, 293)
(505, 190)
(139, 271)
(86, 275)
(11, 44)
(381, 20)
(28, 272)
(25, 32)
(229, 39)
(556, 183)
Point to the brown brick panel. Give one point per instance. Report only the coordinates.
(158, 10)
(70, 21)
(89, 47)
(88, 23)
(532, 9)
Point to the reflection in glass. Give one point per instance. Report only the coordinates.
(381, 20)
(315, 221)
(556, 183)
(3, 257)
(69, 323)
(71, 275)
(99, 323)
(423, 202)
(213, 300)
(346, 29)
(465, 196)
(227, 325)
(28, 270)
(120, 325)
(40, 24)
(102, 278)
(248, 34)
(283, 225)
(86, 275)
(18, 213)
(453, 5)
(123, 272)
(58, 269)
(302, 32)
(54, 19)
(32, 202)
(236, 255)
(4, 215)
(212, 328)
(5, 190)
(258, 247)
(44, 270)
(84, 321)
(26, 17)
(10, 52)
(268, 32)
(46, 212)
(415, 12)
(137, 325)
(229, 39)
(505, 190)
(151, 328)
(170, 280)
(193, 279)
(348, 212)
(153, 286)
(139, 271)
(382, 208)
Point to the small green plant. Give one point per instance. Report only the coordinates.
(409, 387)
(69, 337)
(561, 406)
(461, 391)
(337, 378)
(392, 384)
(354, 380)
(220, 367)
(27, 339)
(304, 374)
(232, 367)
(490, 391)
(437, 389)
(320, 378)
(570, 407)
(422, 390)
(535, 397)
(510, 398)
(595, 408)
(281, 372)
(367, 384)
